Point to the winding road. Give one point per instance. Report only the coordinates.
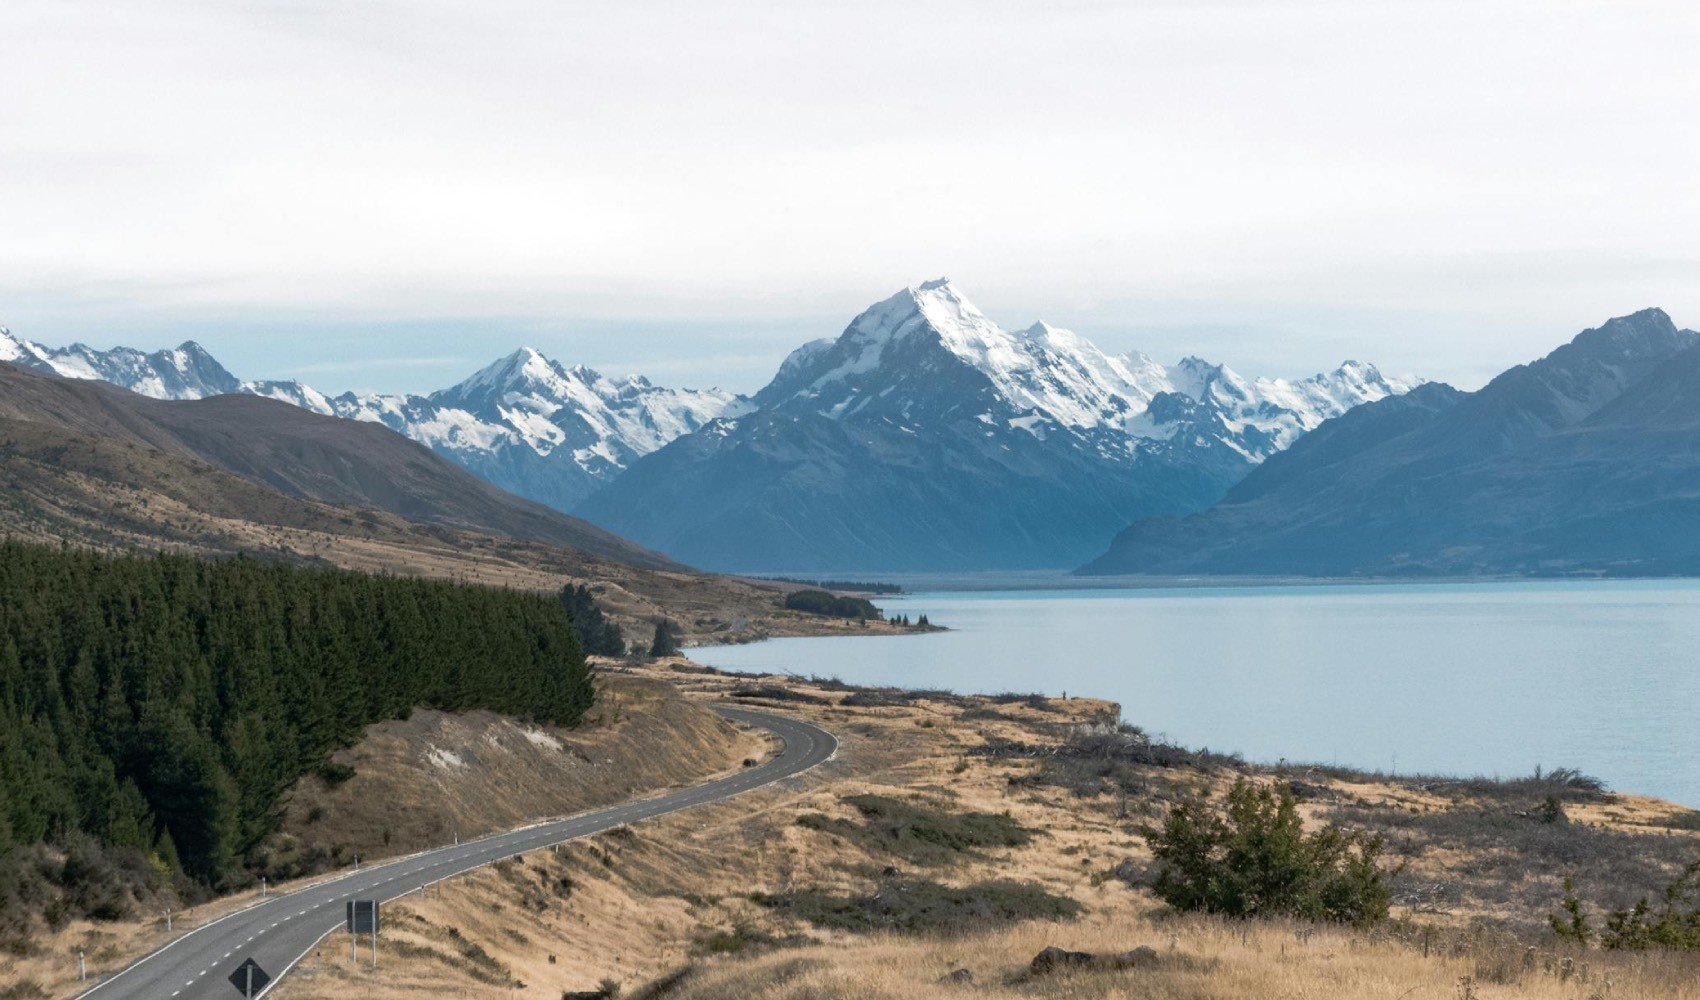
(280, 931)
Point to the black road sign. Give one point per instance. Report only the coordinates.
(363, 916)
(249, 979)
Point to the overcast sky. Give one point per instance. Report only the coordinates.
(386, 195)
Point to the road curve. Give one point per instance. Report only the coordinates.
(279, 932)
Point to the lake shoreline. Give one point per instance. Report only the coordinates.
(1516, 675)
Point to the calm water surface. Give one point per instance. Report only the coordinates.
(1463, 679)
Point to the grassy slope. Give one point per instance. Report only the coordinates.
(476, 772)
(673, 896)
(58, 484)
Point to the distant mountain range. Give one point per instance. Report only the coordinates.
(926, 437)
(352, 465)
(923, 437)
(1586, 461)
(532, 426)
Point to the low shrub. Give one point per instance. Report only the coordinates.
(773, 692)
(740, 937)
(914, 906)
(1512, 858)
(1673, 925)
(918, 832)
(334, 773)
(1254, 859)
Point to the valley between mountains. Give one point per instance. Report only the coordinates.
(924, 436)
(198, 694)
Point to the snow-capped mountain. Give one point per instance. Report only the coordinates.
(527, 424)
(1585, 462)
(183, 372)
(1044, 378)
(925, 436)
(539, 428)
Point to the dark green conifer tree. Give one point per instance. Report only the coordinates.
(596, 634)
(666, 642)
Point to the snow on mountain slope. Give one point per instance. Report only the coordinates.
(526, 423)
(1584, 462)
(926, 436)
(1044, 377)
(534, 426)
(549, 406)
(183, 372)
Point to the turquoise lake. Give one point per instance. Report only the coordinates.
(1481, 678)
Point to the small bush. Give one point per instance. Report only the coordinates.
(738, 938)
(1674, 925)
(1256, 860)
(1684, 821)
(918, 832)
(912, 906)
(879, 698)
(334, 774)
(773, 692)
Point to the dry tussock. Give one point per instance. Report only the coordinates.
(482, 772)
(685, 893)
(678, 892)
(1198, 959)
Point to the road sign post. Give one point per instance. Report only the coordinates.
(249, 979)
(362, 919)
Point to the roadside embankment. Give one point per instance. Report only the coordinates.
(969, 833)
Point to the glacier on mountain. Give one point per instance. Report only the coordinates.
(928, 437)
(920, 380)
(528, 424)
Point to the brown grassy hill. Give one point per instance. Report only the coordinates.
(305, 455)
(882, 872)
(417, 782)
(78, 464)
(949, 833)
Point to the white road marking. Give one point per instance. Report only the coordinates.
(516, 843)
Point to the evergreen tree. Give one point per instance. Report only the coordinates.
(166, 702)
(596, 634)
(666, 642)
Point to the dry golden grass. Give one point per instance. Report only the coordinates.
(121, 496)
(641, 738)
(645, 904)
(1198, 959)
(481, 772)
(634, 906)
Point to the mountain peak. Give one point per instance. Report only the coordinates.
(526, 364)
(936, 305)
(1652, 314)
(1647, 328)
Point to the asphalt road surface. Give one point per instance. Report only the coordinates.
(280, 931)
